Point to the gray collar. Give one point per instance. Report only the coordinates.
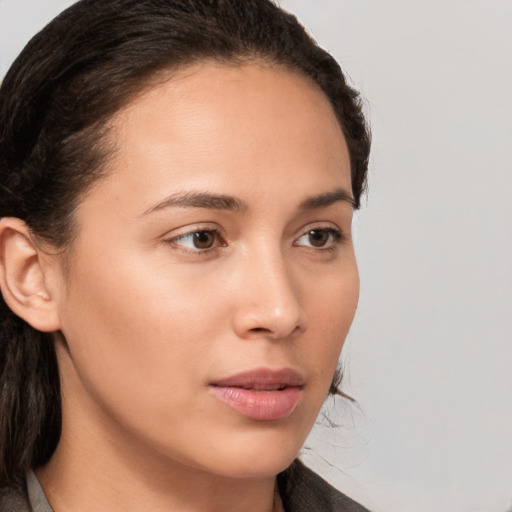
(36, 496)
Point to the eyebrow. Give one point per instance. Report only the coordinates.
(230, 203)
(323, 200)
(199, 200)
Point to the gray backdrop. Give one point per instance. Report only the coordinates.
(429, 357)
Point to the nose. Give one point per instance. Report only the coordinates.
(268, 303)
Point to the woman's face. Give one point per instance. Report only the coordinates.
(213, 280)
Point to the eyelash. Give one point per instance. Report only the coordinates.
(211, 231)
(334, 235)
(335, 238)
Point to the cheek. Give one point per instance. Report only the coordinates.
(140, 356)
(143, 336)
(331, 311)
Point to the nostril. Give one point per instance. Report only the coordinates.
(262, 331)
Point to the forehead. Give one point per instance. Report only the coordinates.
(247, 127)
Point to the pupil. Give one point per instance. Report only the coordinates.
(203, 239)
(318, 238)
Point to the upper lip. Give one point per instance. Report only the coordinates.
(262, 379)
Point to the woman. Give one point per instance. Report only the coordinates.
(177, 186)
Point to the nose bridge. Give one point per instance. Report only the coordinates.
(270, 302)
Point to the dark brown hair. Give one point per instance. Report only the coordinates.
(55, 104)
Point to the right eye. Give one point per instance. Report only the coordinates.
(200, 240)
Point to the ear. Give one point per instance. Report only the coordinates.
(23, 277)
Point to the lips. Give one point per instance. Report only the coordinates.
(261, 394)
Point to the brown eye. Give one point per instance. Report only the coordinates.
(198, 241)
(318, 237)
(203, 239)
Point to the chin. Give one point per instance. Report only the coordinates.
(265, 465)
(262, 453)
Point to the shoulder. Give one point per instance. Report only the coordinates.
(13, 500)
(302, 490)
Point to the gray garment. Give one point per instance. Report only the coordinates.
(36, 496)
(301, 490)
(31, 499)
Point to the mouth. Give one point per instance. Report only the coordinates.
(261, 394)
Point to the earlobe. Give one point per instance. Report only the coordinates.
(22, 277)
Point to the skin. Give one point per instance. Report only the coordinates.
(146, 321)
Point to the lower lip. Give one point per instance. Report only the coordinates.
(259, 405)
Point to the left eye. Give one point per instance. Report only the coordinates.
(319, 238)
(198, 240)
